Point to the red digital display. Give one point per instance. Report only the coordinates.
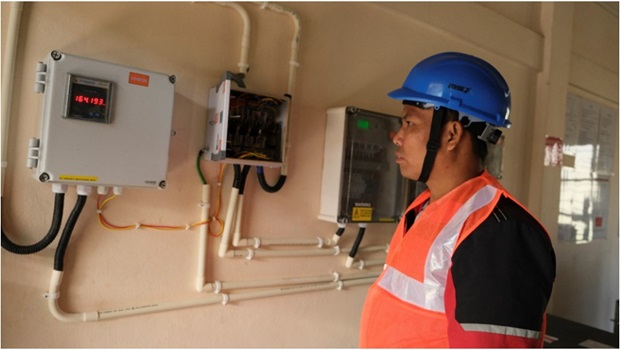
(89, 100)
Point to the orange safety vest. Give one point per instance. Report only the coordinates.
(405, 306)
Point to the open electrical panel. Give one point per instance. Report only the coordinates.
(246, 127)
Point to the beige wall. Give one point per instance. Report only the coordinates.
(350, 54)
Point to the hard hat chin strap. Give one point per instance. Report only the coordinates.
(432, 146)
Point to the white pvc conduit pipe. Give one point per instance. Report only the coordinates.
(243, 65)
(257, 242)
(234, 213)
(8, 70)
(228, 223)
(210, 299)
(250, 253)
(203, 237)
(293, 63)
(219, 286)
(239, 213)
(362, 264)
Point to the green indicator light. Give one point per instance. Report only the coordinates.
(363, 124)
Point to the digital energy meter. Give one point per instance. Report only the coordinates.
(88, 99)
(102, 124)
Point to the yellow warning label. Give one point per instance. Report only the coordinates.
(362, 214)
(80, 178)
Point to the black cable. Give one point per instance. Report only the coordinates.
(358, 241)
(263, 183)
(244, 177)
(7, 244)
(59, 258)
(340, 231)
(240, 177)
(237, 177)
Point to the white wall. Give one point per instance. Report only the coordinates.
(350, 54)
(582, 59)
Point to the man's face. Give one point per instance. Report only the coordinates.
(411, 140)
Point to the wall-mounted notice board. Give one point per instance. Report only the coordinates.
(589, 138)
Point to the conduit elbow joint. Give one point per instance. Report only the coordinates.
(200, 284)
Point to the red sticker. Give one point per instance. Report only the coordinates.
(138, 79)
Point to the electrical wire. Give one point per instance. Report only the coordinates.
(12, 247)
(263, 182)
(101, 202)
(358, 241)
(218, 207)
(254, 154)
(59, 257)
(215, 217)
(200, 174)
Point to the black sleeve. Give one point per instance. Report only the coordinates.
(503, 272)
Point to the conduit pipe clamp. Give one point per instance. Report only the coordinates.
(250, 254)
(257, 243)
(321, 242)
(225, 299)
(337, 249)
(217, 287)
(53, 296)
(336, 276)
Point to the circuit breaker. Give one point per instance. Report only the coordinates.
(102, 124)
(246, 127)
(361, 180)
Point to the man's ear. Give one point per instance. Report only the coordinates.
(454, 134)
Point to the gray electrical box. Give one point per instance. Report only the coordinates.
(361, 180)
(102, 124)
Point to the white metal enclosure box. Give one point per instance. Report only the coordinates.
(361, 180)
(245, 127)
(102, 124)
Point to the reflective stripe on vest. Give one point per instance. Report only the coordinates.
(502, 330)
(429, 293)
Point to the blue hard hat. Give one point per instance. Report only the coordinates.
(461, 82)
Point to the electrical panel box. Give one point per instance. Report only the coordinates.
(245, 127)
(361, 180)
(102, 124)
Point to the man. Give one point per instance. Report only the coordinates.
(468, 266)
